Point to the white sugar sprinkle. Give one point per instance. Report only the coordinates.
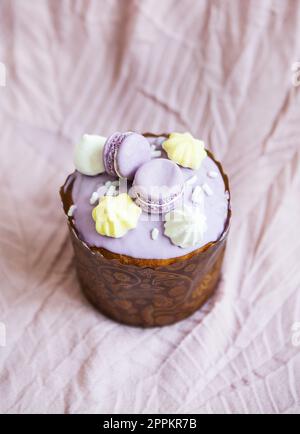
(212, 174)
(153, 147)
(154, 234)
(227, 195)
(197, 196)
(156, 154)
(191, 180)
(101, 191)
(115, 183)
(71, 210)
(94, 198)
(207, 190)
(108, 184)
(111, 191)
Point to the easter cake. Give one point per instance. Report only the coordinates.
(149, 217)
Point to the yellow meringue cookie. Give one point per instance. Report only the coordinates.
(185, 150)
(116, 215)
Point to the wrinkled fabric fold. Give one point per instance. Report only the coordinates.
(226, 72)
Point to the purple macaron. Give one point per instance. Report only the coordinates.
(158, 185)
(124, 153)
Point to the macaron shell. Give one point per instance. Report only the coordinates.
(158, 173)
(134, 151)
(110, 150)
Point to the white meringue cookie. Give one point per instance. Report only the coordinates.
(88, 155)
(185, 227)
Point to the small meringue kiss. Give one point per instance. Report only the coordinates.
(88, 155)
(185, 227)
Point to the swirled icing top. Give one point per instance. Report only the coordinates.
(150, 235)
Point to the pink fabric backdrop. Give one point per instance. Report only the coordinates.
(220, 69)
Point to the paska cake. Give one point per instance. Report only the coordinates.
(148, 217)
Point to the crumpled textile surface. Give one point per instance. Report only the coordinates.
(219, 69)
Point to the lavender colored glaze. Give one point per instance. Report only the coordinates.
(137, 242)
(124, 153)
